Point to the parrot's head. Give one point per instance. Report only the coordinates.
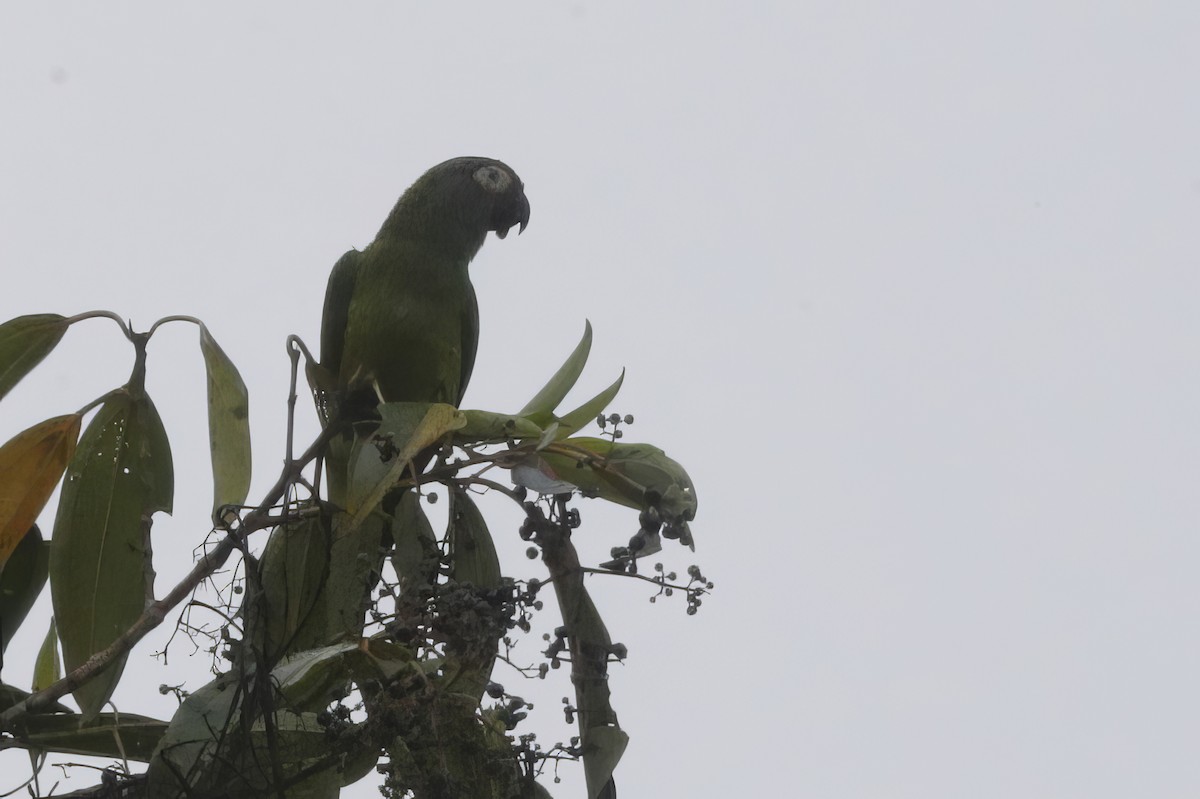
(464, 198)
(509, 205)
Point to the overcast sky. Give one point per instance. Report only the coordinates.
(911, 289)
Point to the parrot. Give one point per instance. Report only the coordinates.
(400, 324)
(400, 317)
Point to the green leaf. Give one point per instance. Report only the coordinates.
(385, 661)
(564, 379)
(21, 581)
(623, 473)
(485, 427)
(31, 464)
(549, 436)
(355, 562)
(415, 553)
(295, 564)
(10, 695)
(210, 749)
(472, 551)
(185, 760)
(473, 561)
(602, 750)
(588, 411)
(100, 560)
(301, 742)
(228, 425)
(47, 669)
(411, 426)
(24, 342)
(109, 735)
(311, 679)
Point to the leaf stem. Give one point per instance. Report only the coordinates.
(102, 314)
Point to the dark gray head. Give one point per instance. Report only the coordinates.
(462, 198)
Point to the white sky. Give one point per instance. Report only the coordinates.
(911, 289)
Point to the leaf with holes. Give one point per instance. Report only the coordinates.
(100, 559)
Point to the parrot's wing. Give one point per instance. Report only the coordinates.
(337, 310)
(470, 341)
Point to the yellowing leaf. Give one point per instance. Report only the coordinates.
(31, 464)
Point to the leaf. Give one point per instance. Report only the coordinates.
(100, 559)
(311, 679)
(624, 473)
(24, 342)
(473, 562)
(548, 437)
(383, 660)
(302, 742)
(485, 427)
(473, 553)
(211, 749)
(356, 558)
(602, 750)
(546, 400)
(295, 563)
(410, 437)
(21, 582)
(589, 410)
(109, 735)
(31, 464)
(10, 695)
(185, 760)
(415, 553)
(228, 425)
(47, 668)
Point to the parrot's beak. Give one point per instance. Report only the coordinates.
(521, 217)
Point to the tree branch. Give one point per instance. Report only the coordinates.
(154, 615)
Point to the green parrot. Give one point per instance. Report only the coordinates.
(401, 323)
(401, 320)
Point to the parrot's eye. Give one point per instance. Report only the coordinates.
(493, 178)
